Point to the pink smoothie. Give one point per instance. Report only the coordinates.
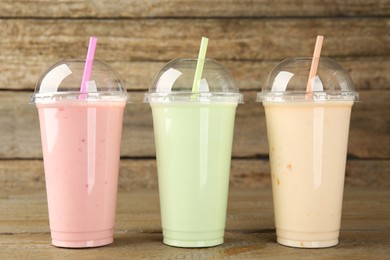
(81, 148)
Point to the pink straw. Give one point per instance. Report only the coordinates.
(88, 64)
(314, 63)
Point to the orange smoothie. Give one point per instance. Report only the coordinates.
(308, 147)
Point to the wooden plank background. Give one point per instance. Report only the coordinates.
(249, 37)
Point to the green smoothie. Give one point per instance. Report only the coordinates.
(193, 146)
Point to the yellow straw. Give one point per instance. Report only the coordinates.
(200, 64)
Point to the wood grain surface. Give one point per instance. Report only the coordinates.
(369, 130)
(249, 37)
(250, 233)
(367, 72)
(165, 39)
(185, 8)
(28, 175)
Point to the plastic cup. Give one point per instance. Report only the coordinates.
(81, 137)
(193, 135)
(307, 138)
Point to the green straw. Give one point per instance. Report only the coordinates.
(200, 64)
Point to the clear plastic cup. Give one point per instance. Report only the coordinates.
(81, 137)
(193, 135)
(307, 138)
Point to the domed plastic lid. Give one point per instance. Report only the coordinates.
(62, 82)
(175, 81)
(288, 82)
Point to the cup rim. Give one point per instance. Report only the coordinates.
(188, 96)
(77, 96)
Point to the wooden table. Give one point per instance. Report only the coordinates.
(250, 233)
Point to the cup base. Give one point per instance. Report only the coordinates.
(82, 240)
(192, 243)
(307, 239)
(193, 239)
(82, 244)
(307, 244)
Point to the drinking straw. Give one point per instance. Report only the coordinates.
(88, 64)
(314, 63)
(200, 64)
